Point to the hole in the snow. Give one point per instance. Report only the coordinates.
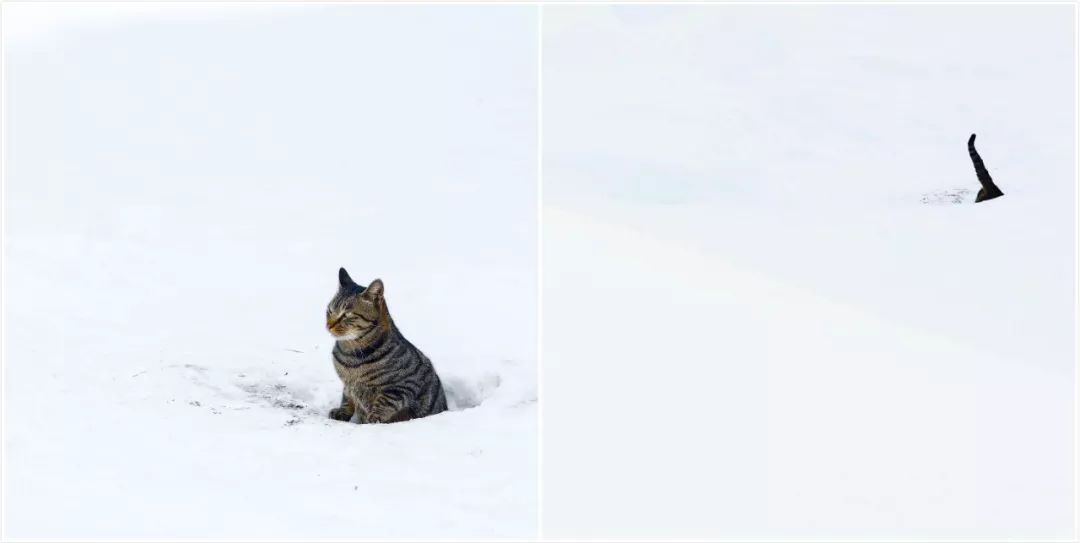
(464, 393)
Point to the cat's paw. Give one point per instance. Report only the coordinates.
(339, 413)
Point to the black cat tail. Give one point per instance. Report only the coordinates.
(980, 168)
(989, 190)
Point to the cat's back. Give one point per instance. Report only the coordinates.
(417, 375)
(431, 398)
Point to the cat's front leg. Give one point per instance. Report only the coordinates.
(345, 412)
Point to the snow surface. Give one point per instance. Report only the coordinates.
(180, 189)
(749, 285)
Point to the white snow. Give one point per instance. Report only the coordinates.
(764, 316)
(744, 289)
(179, 194)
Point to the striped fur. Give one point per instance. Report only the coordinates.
(989, 190)
(386, 378)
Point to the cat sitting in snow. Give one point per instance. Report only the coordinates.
(386, 378)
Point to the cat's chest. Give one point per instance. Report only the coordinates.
(350, 374)
(359, 377)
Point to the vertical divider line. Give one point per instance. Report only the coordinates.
(1076, 271)
(3, 269)
(539, 268)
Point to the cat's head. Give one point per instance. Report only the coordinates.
(355, 310)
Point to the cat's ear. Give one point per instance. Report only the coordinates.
(344, 279)
(375, 289)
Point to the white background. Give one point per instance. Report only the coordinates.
(753, 325)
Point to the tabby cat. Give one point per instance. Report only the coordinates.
(989, 190)
(386, 378)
